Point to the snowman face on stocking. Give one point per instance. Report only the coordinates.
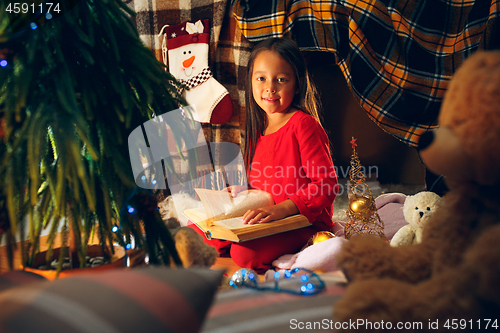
(185, 52)
(188, 61)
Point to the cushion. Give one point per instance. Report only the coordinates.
(390, 209)
(146, 299)
(18, 278)
(251, 310)
(320, 256)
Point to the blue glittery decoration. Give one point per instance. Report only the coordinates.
(290, 282)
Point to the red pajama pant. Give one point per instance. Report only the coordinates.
(258, 254)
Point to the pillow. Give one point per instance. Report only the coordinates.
(390, 209)
(146, 299)
(251, 310)
(320, 256)
(17, 278)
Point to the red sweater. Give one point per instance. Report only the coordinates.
(295, 163)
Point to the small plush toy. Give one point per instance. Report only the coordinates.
(417, 211)
(173, 206)
(192, 250)
(452, 277)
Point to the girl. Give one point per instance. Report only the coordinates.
(286, 152)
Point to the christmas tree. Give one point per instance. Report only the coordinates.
(75, 80)
(362, 215)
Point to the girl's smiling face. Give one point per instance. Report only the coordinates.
(273, 83)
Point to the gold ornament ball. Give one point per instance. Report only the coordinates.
(320, 236)
(360, 205)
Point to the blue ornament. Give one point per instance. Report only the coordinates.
(244, 277)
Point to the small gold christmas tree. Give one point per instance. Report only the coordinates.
(362, 215)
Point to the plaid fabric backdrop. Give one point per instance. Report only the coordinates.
(397, 56)
(229, 51)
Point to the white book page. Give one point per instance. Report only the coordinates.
(215, 202)
(198, 211)
(233, 223)
(249, 200)
(220, 206)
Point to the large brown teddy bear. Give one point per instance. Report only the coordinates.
(452, 279)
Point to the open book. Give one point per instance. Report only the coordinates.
(220, 216)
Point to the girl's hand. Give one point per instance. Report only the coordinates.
(270, 213)
(235, 189)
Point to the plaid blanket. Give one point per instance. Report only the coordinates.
(397, 56)
(228, 56)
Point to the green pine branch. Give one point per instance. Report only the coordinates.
(73, 90)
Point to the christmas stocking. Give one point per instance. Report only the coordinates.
(185, 52)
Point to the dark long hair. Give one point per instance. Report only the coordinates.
(305, 100)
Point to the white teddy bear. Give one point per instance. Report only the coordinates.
(417, 211)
